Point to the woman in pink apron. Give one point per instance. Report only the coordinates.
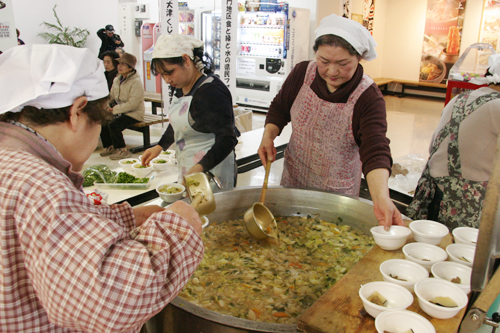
(201, 113)
(338, 120)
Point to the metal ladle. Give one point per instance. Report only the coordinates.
(258, 219)
(199, 191)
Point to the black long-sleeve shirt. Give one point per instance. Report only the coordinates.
(211, 111)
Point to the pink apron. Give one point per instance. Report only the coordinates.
(322, 152)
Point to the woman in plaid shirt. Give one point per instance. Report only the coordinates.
(66, 264)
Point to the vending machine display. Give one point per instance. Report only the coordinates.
(271, 39)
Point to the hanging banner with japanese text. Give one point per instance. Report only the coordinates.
(169, 21)
(229, 25)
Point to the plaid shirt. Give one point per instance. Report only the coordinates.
(69, 266)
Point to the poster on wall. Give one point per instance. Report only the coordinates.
(368, 14)
(490, 25)
(442, 37)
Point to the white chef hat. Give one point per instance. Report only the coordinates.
(49, 76)
(493, 68)
(171, 46)
(353, 32)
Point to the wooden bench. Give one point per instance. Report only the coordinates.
(154, 98)
(143, 127)
(384, 82)
(419, 85)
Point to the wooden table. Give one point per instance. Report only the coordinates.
(341, 310)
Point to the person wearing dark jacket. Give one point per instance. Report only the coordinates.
(109, 60)
(110, 40)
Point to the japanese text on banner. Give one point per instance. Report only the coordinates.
(228, 52)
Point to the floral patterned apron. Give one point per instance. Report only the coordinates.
(191, 145)
(322, 152)
(462, 198)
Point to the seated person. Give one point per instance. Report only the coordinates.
(68, 265)
(110, 66)
(453, 184)
(127, 106)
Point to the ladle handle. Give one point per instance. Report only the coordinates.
(197, 200)
(266, 177)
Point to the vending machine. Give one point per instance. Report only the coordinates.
(210, 34)
(272, 38)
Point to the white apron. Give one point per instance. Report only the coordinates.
(191, 145)
(322, 153)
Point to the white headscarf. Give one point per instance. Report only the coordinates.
(353, 32)
(49, 76)
(171, 46)
(493, 68)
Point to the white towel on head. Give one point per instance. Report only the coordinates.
(353, 32)
(171, 46)
(49, 76)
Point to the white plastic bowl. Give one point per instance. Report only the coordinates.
(170, 197)
(398, 297)
(126, 163)
(161, 166)
(465, 235)
(424, 254)
(431, 288)
(457, 251)
(390, 240)
(169, 152)
(140, 172)
(403, 269)
(448, 270)
(403, 321)
(428, 231)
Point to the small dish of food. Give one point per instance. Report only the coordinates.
(161, 163)
(424, 254)
(403, 272)
(461, 253)
(465, 235)
(380, 296)
(169, 152)
(170, 192)
(127, 163)
(427, 231)
(392, 239)
(140, 170)
(453, 272)
(440, 298)
(403, 321)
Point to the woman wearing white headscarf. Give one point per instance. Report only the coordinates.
(338, 118)
(69, 265)
(453, 184)
(201, 114)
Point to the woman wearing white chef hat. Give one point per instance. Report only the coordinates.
(68, 265)
(338, 117)
(453, 184)
(201, 114)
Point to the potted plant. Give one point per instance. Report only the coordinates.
(63, 35)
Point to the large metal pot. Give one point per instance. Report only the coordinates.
(181, 316)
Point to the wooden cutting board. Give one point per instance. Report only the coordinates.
(341, 310)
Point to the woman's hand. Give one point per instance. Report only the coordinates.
(266, 150)
(188, 213)
(143, 213)
(150, 153)
(384, 209)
